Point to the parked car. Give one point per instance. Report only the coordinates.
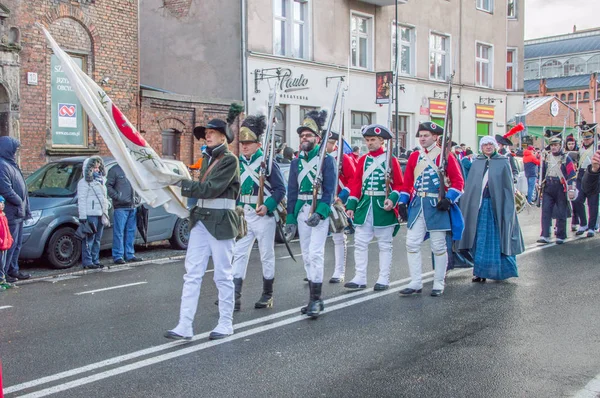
(50, 233)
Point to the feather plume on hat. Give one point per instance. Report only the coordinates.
(318, 116)
(234, 111)
(519, 127)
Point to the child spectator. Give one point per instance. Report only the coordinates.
(6, 242)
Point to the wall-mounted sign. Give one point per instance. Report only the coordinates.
(289, 83)
(423, 110)
(67, 115)
(383, 87)
(32, 78)
(554, 108)
(484, 112)
(437, 107)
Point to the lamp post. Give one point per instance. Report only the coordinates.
(396, 68)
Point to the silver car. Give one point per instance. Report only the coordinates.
(50, 233)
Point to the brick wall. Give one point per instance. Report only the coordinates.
(542, 117)
(105, 33)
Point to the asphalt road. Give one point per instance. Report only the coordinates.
(535, 336)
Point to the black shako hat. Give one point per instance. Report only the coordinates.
(252, 128)
(431, 127)
(376, 130)
(501, 140)
(313, 121)
(215, 124)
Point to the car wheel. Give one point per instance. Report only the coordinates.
(281, 236)
(181, 234)
(64, 249)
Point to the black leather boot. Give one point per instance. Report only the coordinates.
(266, 300)
(237, 283)
(315, 306)
(305, 308)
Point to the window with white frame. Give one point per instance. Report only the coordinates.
(512, 9)
(511, 69)
(360, 41)
(532, 71)
(483, 65)
(406, 49)
(439, 47)
(485, 5)
(552, 68)
(291, 28)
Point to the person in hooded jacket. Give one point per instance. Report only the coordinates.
(5, 243)
(14, 191)
(531, 164)
(92, 200)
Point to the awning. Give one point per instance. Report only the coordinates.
(538, 131)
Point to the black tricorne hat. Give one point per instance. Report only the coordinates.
(503, 141)
(215, 124)
(431, 127)
(377, 130)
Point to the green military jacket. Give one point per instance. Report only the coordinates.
(222, 182)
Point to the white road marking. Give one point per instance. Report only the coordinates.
(4, 307)
(370, 295)
(591, 389)
(117, 269)
(62, 278)
(110, 288)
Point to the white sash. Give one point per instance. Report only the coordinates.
(250, 171)
(307, 167)
(377, 163)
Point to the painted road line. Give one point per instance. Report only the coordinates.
(62, 278)
(591, 389)
(152, 350)
(165, 261)
(110, 288)
(117, 269)
(189, 350)
(4, 307)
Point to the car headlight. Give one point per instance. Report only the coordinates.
(35, 217)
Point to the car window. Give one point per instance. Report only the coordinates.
(55, 180)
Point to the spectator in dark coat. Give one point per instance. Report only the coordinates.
(591, 179)
(14, 190)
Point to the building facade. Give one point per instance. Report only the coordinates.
(311, 43)
(566, 67)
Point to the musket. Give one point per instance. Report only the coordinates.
(390, 145)
(268, 142)
(340, 143)
(446, 140)
(323, 152)
(540, 182)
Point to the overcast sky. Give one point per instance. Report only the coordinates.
(554, 17)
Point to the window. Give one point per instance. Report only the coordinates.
(570, 97)
(574, 66)
(360, 41)
(563, 97)
(532, 71)
(171, 142)
(304, 110)
(485, 5)
(406, 47)
(439, 47)
(512, 9)
(360, 119)
(403, 123)
(483, 65)
(290, 28)
(511, 70)
(586, 95)
(593, 64)
(552, 68)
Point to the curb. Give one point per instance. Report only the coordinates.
(81, 271)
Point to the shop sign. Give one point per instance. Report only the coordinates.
(289, 83)
(554, 108)
(484, 112)
(437, 107)
(67, 114)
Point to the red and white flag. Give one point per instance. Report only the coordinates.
(151, 178)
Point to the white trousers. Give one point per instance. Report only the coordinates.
(263, 229)
(202, 245)
(340, 242)
(414, 239)
(312, 243)
(362, 236)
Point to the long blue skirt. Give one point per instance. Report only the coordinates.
(490, 263)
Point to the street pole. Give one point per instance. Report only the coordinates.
(396, 68)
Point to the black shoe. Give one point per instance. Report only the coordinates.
(478, 279)
(336, 280)
(266, 299)
(10, 279)
(134, 259)
(169, 334)
(20, 275)
(352, 285)
(379, 287)
(305, 279)
(91, 266)
(315, 305)
(580, 232)
(217, 336)
(409, 292)
(436, 293)
(119, 261)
